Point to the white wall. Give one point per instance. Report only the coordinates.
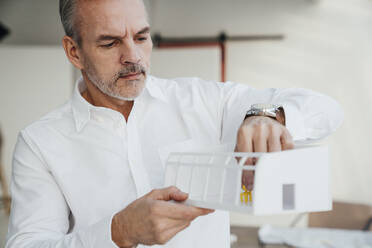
(33, 22)
(170, 63)
(34, 80)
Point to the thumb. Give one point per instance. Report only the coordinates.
(169, 193)
(179, 196)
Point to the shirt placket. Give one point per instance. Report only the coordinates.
(135, 156)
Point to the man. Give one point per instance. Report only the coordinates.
(90, 174)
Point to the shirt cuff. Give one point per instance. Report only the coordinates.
(294, 122)
(101, 236)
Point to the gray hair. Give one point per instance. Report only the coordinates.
(67, 12)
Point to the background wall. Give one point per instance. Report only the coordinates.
(327, 48)
(34, 80)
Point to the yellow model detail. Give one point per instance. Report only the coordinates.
(245, 196)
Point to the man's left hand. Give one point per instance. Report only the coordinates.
(261, 134)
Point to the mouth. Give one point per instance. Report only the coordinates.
(132, 76)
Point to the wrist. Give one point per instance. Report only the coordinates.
(119, 233)
(273, 111)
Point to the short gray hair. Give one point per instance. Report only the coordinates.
(67, 12)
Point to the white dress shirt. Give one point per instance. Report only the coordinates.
(79, 165)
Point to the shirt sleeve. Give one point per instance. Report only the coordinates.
(310, 116)
(40, 214)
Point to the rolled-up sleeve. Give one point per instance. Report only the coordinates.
(40, 214)
(309, 115)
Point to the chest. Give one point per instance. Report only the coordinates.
(107, 165)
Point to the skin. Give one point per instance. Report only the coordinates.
(114, 58)
(115, 38)
(153, 219)
(261, 134)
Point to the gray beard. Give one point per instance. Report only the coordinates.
(107, 90)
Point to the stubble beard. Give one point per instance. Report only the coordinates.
(110, 87)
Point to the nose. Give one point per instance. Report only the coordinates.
(130, 53)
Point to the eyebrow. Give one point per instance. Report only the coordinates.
(105, 37)
(145, 30)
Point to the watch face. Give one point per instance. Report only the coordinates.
(264, 106)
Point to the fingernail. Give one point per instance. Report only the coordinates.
(182, 193)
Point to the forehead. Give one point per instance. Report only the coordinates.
(111, 16)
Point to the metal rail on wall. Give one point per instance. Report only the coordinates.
(217, 41)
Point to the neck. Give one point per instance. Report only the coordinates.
(95, 97)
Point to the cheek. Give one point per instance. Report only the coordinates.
(110, 58)
(104, 64)
(108, 63)
(147, 50)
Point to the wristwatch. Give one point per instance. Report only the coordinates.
(267, 109)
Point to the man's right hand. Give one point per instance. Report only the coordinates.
(153, 219)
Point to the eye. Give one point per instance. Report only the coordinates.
(142, 38)
(109, 45)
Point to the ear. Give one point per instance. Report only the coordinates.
(72, 52)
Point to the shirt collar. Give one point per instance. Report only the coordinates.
(81, 109)
(153, 86)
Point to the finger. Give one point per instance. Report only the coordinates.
(179, 196)
(248, 179)
(167, 194)
(180, 211)
(274, 143)
(206, 210)
(191, 212)
(260, 142)
(245, 145)
(250, 160)
(286, 141)
(244, 140)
